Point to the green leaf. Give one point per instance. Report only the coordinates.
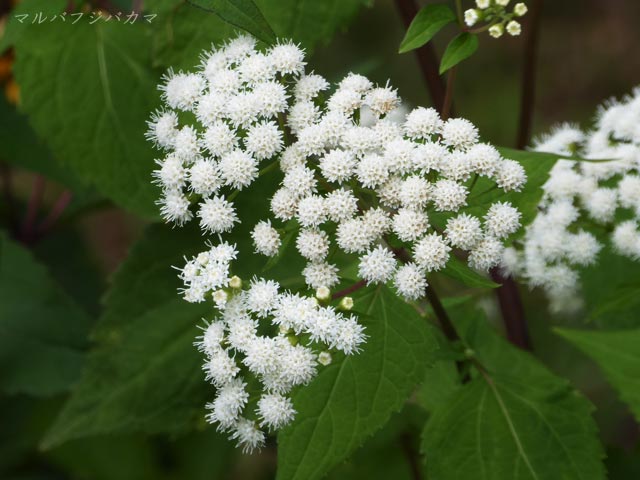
(184, 34)
(20, 146)
(243, 14)
(144, 373)
(352, 398)
(429, 21)
(92, 109)
(610, 291)
(460, 48)
(618, 355)
(536, 165)
(460, 271)
(43, 333)
(515, 420)
(309, 22)
(15, 28)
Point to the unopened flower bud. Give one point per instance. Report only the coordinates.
(324, 358)
(323, 294)
(514, 28)
(520, 9)
(346, 303)
(471, 17)
(220, 297)
(503, 3)
(496, 30)
(483, 3)
(235, 282)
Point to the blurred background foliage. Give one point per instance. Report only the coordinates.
(76, 198)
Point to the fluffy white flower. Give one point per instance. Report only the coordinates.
(263, 140)
(349, 336)
(220, 368)
(312, 211)
(484, 159)
(353, 236)
(217, 215)
(510, 175)
(313, 244)
(238, 169)
(182, 90)
(228, 404)
(337, 165)
(171, 174)
(415, 192)
(266, 239)
(248, 436)
(398, 154)
(626, 239)
(409, 224)
(287, 58)
(422, 123)
(275, 410)
(320, 274)
(186, 144)
(271, 97)
(448, 195)
(301, 115)
(204, 178)
(410, 281)
(174, 207)
(284, 204)
(463, 231)
(459, 133)
(308, 87)
(377, 265)
(582, 248)
(211, 339)
(262, 296)
(300, 181)
(256, 68)
(340, 204)
(602, 204)
(372, 171)
(163, 128)
(431, 252)
(382, 100)
(502, 219)
(486, 254)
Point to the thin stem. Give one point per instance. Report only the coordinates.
(448, 96)
(56, 211)
(510, 303)
(441, 314)
(353, 288)
(35, 199)
(426, 56)
(459, 13)
(7, 192)
(528, 89)
(412, 456)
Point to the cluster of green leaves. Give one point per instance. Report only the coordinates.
(83, 386)
(428, 22)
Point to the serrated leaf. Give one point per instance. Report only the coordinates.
(243, 14)
(618, 355)
(460, 48)
(460, 271)
(144, 373)
(104, 68)
(43, 333)
(308, 22)
(429, 21)
(20, 146)
(354, 397)
(17, 23)
(536, 165)
(515, 420)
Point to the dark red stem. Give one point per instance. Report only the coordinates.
(353, 288)
(56, 211)
(426, 55)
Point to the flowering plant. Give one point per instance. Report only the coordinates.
(254, 248)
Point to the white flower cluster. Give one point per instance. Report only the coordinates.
(494, 14)
(581, 198)
(236, 98)
(299, 335)
(356, 179)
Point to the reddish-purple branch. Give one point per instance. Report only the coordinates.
(426, 55)
(56, 211)
(353, 288)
